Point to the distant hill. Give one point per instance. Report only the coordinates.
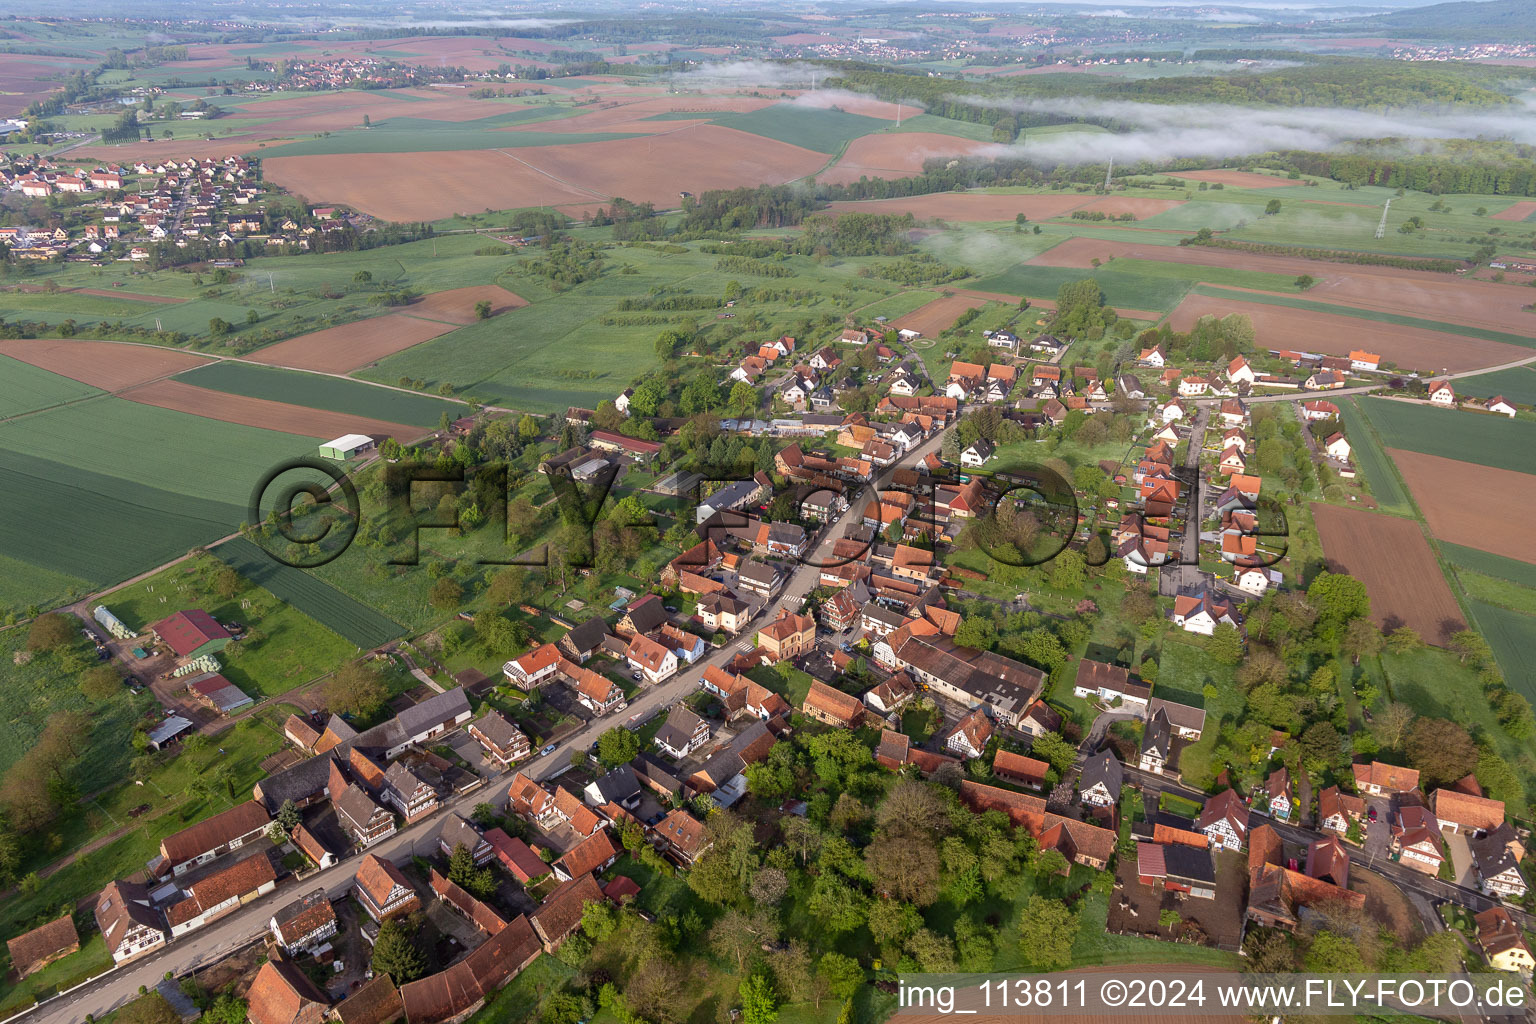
(1490, 21)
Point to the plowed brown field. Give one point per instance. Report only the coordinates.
(653, 168)
(1112, 206)
(1236, 179)
(1409, 347)
(108, 365)
(350, 346)
(898, 155)
(967, 206)
(1392, 558)
(937, 315)
(442, 184)
(1518, 211)
(258, 412)
(1441, 487)
(1443, 297)
(457, 305)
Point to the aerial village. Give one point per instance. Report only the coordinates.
(785, 622)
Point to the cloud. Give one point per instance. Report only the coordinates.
(1156, 132)
(753, 74)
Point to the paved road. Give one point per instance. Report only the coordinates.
(238, 929)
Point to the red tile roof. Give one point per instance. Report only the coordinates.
(280, 993)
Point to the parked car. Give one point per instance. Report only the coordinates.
(1371, 814)
(547, 750)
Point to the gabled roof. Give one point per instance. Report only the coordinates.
(647, 653)
(186, 631)
(1224, 806)
(377, 1002)
(210, 833)
(304, 915)
(589, 854)
(43, 943)
(683, 831)
(516, 855)
(561, 910)
(1102, 768)
(378, 877)
(239, 879)
(280, 993)
(1466, 810)
(582, 818)
(433, 711)
(122, 906)
(1386, 776)
(835, 703)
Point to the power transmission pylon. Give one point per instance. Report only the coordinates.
(1381, 229)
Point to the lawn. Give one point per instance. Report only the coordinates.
(1512, 635)
(1465, 436)
(524, 996)
(292, 648)
(825, 131)
(318, 391)
(1380, 475)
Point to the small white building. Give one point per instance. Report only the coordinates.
(1337, 447)
(978, 454)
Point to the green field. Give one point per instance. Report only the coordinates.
(1489, 564)
(25, 388)
(1518, 384)
(825, 131)
(1513, 639)
(1380, 474)
(1128, 290)
(1465, 436)
(357, 622)
(121, 488)
(1296, 302)
(321, 392)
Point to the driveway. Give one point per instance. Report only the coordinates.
(1461, 858)
(1378, 833)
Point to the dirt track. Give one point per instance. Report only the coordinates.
(108, 365)
(350, 346)
(1496, 524)
(1392, 558)
(259, 412)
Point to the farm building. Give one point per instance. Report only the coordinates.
(219, 693)
(167, 731)
(111, 623)
(346, 446)
(191, 634)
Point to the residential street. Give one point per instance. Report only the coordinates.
(247, 923)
